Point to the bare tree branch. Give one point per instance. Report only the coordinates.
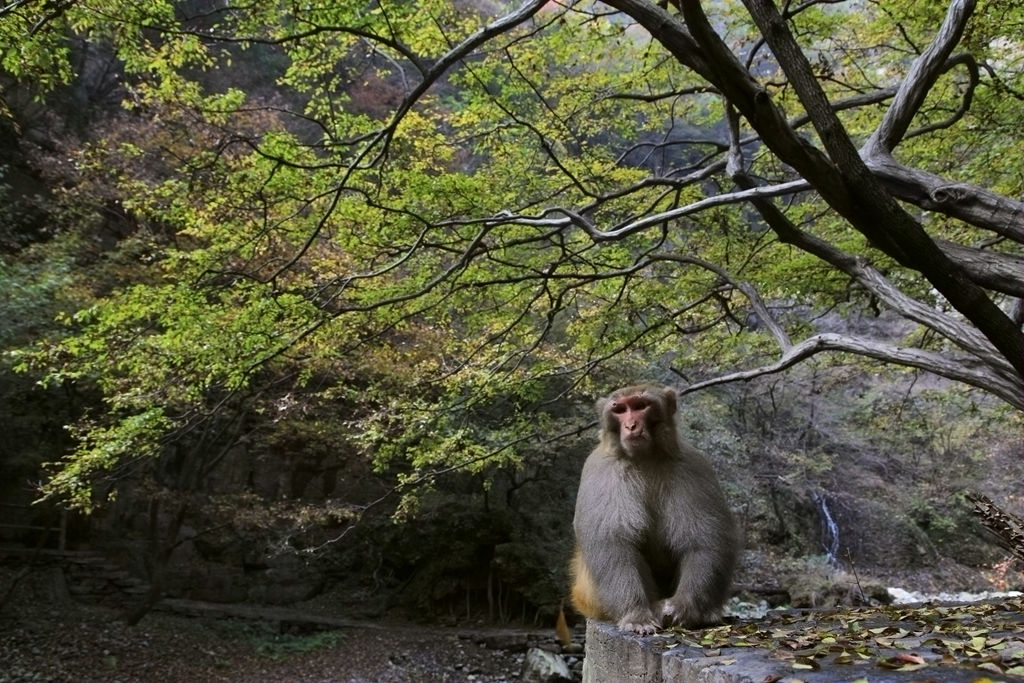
(969, 203)
(995, 270)
(959, 369)
(708, 202)
(920, 79)
(985, 367)
(847, 184)
(953, 329)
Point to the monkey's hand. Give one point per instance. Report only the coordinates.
(641, 622)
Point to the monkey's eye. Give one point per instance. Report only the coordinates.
(631, 403)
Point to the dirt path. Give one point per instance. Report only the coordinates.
(68, 641)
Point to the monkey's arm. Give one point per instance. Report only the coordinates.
(614, 582)
(704, 578)
(698, 528)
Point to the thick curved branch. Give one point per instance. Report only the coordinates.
(995, 270)
(969, 203)
(963, 370)
(847, 184)
(965, 101)
(953, 329)
(963, 335)
(920, 78)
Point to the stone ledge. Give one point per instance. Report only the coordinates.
(612, 655)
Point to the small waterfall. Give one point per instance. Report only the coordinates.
(829, 530)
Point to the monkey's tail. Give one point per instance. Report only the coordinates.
(584, 597)
(562, 627)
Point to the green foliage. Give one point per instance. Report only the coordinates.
(950, 429)
(283, 646)
(269, 642)
(43, 59)
(447, 264)
(101, 449)
(30, 285)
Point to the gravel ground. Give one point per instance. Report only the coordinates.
(46, 639)
(46, 636)
(80, 643)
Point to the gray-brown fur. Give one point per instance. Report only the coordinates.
(655, 542)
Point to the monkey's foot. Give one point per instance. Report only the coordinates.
(640, 624)
(687, 616)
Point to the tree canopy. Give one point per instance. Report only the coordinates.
(446, 206)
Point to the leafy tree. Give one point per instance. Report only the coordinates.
(448, 207)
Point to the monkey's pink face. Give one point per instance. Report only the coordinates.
(635, 415)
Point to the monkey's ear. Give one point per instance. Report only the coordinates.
(670, 400)
(600, 405)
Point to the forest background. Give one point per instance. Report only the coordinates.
(314, 297)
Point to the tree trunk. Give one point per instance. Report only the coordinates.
(159, 555)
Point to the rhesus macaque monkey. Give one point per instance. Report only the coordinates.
(655, 541)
